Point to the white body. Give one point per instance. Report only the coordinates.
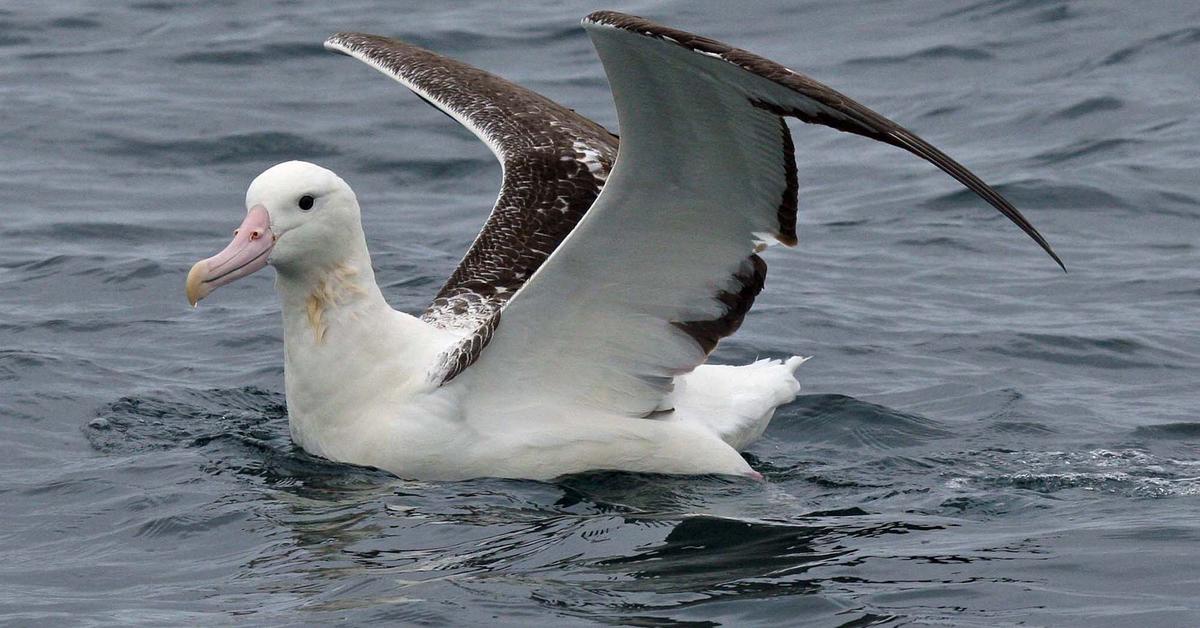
(358, 391)
(595, 360)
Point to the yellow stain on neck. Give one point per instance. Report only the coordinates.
(335, 288)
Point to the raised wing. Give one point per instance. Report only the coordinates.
(555, 161)
(662, 267)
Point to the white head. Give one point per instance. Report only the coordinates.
(300, 218)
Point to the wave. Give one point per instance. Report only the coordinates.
(1094, 352)
(234, 148)
(933, 53)
(1088, 106)
(1039, 11)
(1105, 147)
(1181, 431)
(850, 422)
(16, 364)
(1126, 472)
(267, 53)
(243, 431)
(1036, 192)
(1180, 38)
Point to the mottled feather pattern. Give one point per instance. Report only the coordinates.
(543, 196)
(463, 354)
(555, 162)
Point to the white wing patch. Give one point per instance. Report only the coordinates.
(662, 266)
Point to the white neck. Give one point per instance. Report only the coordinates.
(344, 344)
(314, 301)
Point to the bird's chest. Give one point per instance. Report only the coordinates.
(334, 379)
(349, 387)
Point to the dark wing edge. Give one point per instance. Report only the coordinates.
(835, 110)
(554, 163)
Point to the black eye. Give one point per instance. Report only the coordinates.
(305, 202)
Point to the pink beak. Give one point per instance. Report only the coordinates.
(247, 253)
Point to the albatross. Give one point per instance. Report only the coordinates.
(573, 334)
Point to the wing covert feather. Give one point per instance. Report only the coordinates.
(554, 161)
(662, 266)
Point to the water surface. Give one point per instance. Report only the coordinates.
(981, 440)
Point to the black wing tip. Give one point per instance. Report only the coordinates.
(608, 18)
(1042, 242)
(1057, 260)
(997, 200)
(861, 120)
(1037, 237)
(1013, 214)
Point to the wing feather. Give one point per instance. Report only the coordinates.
(662, 266)
(554, 160)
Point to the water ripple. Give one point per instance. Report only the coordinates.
(1181, 38)
(1088, 106)
(1107, 147)
(850, 422)
(933, 53)
(1125, 472)
(1037, 192)
(1020, 450)
(1106, 353)
(267, 53)
(262, 146)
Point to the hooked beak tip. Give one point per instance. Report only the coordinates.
(195, 282)
(247, 253)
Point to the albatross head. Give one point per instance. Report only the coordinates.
(300, 218)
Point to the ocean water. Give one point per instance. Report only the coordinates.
(982, 439)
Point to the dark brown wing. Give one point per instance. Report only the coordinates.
(555, 161)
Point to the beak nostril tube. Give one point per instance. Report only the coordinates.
(243, 256)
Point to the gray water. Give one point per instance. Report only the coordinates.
(982, 440)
